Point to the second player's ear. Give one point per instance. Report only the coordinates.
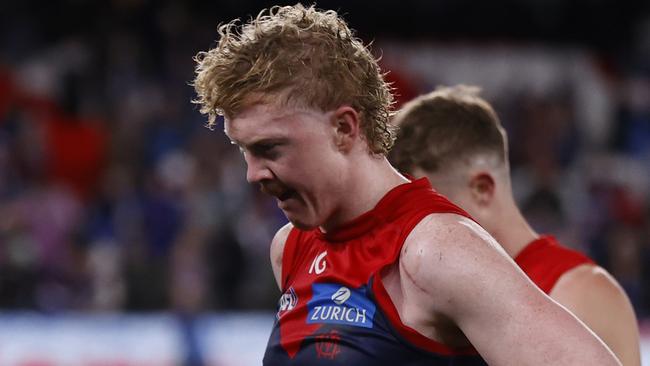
(347, 127)
(483, 188)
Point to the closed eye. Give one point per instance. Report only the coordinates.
(263, 148)
(266, 149)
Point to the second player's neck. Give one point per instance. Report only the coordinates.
(515, 234)
(367, 186)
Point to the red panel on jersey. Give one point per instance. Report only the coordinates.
(325, 276)
(545, 261)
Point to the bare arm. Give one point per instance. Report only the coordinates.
(277, 250)
(595, 297)
(465, 275)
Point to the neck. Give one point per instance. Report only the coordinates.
(512, 231)
(367, 183)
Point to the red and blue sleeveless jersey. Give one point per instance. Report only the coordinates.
(545, 260)
(335, 310)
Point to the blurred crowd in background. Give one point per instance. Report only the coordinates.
(115, 197)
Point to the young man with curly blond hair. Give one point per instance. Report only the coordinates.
(375, 269)
(454, 138)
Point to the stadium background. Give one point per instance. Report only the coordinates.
(128, 235)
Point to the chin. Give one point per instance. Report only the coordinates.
(301, 223)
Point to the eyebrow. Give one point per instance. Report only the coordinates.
(261, 142)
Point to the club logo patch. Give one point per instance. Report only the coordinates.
(319, 264)
(335, 304)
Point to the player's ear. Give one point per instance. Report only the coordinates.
(347, 127)
(482, 186)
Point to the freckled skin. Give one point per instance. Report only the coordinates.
(483, 188)
(451, 278)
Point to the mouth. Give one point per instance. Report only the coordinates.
(280, 192)
(289, 193)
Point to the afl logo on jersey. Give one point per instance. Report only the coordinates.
(287, 302)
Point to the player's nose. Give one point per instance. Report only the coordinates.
(257, 171)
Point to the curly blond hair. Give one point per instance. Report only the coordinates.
(297, 55)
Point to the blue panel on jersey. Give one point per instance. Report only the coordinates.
(332, 303)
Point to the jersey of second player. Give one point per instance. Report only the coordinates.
(335, 310)
(545, 260)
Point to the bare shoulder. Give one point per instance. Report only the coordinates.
(589, 276)
(446, 255)
(589, 291)
(278, 242)
(277, 250)
(452, 268)
(443, 237)
(587, 285)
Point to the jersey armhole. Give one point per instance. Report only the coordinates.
(386, 306)
(408, 334)
(288, 256)
(569, 265)
(545, 261)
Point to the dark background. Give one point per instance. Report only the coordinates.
(115, 197)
